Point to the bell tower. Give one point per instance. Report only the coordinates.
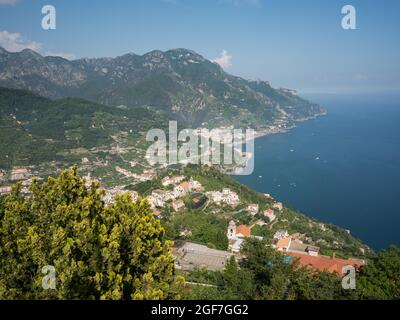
(231, 230)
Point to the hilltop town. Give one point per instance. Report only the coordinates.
(209, 216)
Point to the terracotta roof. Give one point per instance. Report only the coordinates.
(283, 243)
(185, 185)
(244, 230)
(325, 263)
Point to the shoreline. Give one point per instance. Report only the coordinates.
(265, 133)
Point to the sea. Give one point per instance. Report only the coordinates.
(342, 168)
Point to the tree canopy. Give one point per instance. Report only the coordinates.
(380, 278)
(97, 251)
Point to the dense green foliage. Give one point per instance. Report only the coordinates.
(2, 208)
(380, 279)
(34, 130)
(207, 229)
(98, 252)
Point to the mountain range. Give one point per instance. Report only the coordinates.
(180, 83)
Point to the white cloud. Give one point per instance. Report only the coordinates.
(15, 42)
(225, 60)
(8, 2)
(65, 55)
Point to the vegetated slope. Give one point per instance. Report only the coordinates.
(180, 82)
(34, 129)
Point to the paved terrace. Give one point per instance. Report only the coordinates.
(191, 255)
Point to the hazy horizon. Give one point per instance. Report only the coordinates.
(294, 45)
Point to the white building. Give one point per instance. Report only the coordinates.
(270, 214)
(236, 236)
(162, 195)
(226, 197)
(260, 222)
(195, 185)
(178, 205)
(253, 209)
(155, 201)
(172, 180)
(230, 197)
(281, 234)
(5, 190)
(19, 173)
(109, 197)
(278, 206)
(182, 190)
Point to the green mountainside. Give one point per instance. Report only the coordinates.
(36, 130)
(180, 82)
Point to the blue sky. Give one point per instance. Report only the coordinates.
(292, 43)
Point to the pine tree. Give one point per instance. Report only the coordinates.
(98, 251)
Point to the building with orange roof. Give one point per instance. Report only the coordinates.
(283, 244)
(243, 231)
(323, 263)
(185, 185)
(182, 189)
(236, 236)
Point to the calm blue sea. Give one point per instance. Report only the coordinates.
(343, 168)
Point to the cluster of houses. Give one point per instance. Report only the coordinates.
(110, 194)
(227, 197)
(308, 255)
(254, 210)
(189, 255)
(292, 247)
(237, 234)
(147, 175)
(167, 181)
(21, 174)
(283, 242)
(181, 188)
(5, 190)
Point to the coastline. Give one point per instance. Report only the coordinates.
(268, 132)
(264, 133)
